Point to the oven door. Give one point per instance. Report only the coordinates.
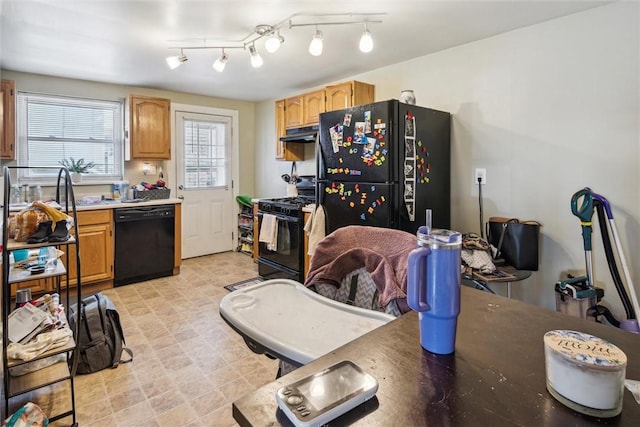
(288, 249)
(268, 270)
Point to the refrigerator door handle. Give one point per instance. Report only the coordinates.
(320, 171)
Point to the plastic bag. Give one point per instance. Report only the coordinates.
(29, 415)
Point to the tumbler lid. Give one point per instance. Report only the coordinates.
(438, 237)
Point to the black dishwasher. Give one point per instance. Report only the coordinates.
(144, 243)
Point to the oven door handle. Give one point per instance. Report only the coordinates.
(282, 217)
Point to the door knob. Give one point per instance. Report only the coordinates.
(180, 187)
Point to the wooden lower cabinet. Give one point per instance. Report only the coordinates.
(96, 248)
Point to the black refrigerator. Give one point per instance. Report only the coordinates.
(384, 164)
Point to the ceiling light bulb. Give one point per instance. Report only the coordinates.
(315, 48)
(221, 62)
(175, 61)
(366, 41)
(273, 43)
(256, 59)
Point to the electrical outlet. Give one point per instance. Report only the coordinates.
(482, 174)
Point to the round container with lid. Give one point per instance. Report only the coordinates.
(584, 372)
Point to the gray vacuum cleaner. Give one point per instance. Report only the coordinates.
(578, 296)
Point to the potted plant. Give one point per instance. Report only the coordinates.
(77, 167)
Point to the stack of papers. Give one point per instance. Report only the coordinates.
(25, 323)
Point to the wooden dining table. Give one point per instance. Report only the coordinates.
(496, 377)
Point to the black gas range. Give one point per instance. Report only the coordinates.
(282, 255)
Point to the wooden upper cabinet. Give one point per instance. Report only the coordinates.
(7, 119)
(285, 151)
(150, 128)
(293, 114)
(312, 106)
(348, 94)
(304, 110)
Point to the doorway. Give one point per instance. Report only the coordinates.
(203, 165)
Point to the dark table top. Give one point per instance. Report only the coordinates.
(496, 376)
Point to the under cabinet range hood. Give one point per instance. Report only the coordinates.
(301, 135)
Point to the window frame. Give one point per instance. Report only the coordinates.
(25, 173)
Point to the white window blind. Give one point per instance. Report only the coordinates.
(53, 128)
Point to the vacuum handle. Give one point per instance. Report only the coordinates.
(584, 212)
(416, 277)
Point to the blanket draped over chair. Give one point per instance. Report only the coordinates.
(382, 251)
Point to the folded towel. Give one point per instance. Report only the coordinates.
(269, 231)
(315, 228)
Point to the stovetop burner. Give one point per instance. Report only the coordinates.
(299, 200)
(285, 205)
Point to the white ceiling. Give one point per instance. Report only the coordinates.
(125, 42)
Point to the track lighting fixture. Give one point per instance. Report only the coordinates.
(221, 62)
(273, 39)
(273, 43)
(315, 47)
(256, 59)
(175, 61)
(366, 41)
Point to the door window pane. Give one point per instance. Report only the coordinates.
(205, 159)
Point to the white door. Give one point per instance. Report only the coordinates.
(203, 178)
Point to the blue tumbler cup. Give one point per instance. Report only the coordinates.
(433, 287)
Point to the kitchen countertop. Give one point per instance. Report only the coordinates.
(110, 204)
(114, 204)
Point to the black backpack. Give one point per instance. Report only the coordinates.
(100, 341)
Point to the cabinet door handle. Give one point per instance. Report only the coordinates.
(180, 187)
(181, 197)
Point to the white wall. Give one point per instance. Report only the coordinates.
(547, 110)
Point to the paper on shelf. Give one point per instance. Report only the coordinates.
(23, 321)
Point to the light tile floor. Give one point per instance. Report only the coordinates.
(189, 365)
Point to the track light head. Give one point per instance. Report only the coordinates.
(256, 59)
(273, 43)
(366, 41)
(221, 62)
(315, 48)
(175, 61)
